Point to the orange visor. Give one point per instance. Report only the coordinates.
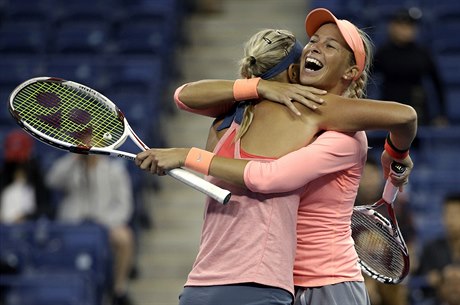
(317, 17)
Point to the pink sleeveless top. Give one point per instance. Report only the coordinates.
(250, 239)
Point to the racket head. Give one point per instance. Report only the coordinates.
(68, 115)
(382, 253)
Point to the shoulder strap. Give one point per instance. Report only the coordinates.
(235, 115)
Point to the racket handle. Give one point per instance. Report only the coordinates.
(192, 180)
(390, 191)
(206, 187)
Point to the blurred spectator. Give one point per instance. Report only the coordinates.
(370, 190)
(99, 189)
(439, 256)
(449, 286)
(404, 64)
(23, 193)
(208, 6)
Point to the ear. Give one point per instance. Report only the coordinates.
(294, 73)
(351, 73)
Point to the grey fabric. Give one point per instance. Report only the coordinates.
(242, 294)
(346, 293)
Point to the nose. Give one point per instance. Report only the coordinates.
(312, 48)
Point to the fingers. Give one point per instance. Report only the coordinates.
(140, 157)
(308, 89)
(147, 161)
(400, 180)
(159, 161)
(309, 100)
(314, 90)
(288, 103)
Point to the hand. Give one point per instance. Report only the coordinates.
(158, 161)
(398, 181)
(285, 93)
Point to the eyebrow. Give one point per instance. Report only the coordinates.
(328, 38)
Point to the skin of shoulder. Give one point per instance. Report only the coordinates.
(276, 131)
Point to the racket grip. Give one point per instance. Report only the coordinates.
(192, 180)
(198, 183)
(390, 191)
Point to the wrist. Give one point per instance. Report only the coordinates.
(393, 151)
(199, 160)
(245, 89)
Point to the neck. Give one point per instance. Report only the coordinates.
(341, 88)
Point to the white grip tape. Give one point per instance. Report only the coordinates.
(206, 187)
(390, 191)
(219, 194)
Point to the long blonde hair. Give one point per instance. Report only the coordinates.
(262, 51)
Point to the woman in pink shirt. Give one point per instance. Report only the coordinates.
(248, 245)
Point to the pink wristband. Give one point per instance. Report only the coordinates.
(199, 160)
(245, 89)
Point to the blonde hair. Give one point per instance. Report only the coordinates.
(357, 88)
(262, 51)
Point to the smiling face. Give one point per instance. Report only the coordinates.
(327, 61)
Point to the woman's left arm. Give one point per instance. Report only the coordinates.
(331, 152)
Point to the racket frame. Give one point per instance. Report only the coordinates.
(393, 229)
(80, 149)
(217, 193)
(390, 224)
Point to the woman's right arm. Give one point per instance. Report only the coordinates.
(216, 97)
(207, 97)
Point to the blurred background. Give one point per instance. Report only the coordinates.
(137, 52)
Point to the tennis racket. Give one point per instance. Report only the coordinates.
(382, 252)
(76, 118)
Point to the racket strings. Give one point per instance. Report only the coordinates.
(68, 114)
(376, 246)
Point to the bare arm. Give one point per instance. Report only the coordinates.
(349, 114)
(336, 113)
(205, 94)
(215, 96)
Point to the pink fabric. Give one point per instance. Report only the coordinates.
(330, 168)
(213, 112)
(250, 239)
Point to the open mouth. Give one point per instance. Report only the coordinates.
(313, 64)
